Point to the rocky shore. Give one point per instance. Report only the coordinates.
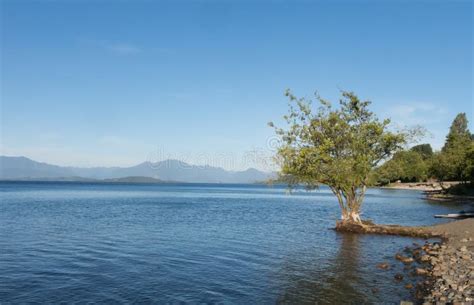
(439, 272)
(452, 264)
(446, 267)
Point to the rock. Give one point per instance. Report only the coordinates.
(406, 303)
(421, 271)
(409, 286)
(404, 259)
(464, 240)
(383, 266)
(398, 277)
(375, 290)
(425, 258)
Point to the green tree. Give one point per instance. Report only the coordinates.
(425, 150)
(337, 147)
(454, 162)
(470, 163)
(459, 133)
(406, 166)
(440, 167)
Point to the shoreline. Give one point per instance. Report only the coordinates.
(438, 272)
(446, 268)
(419, 186)
(452, 266)
(433, 191)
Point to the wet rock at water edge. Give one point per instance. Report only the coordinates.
(398, 277)
(383, 266)
(421, 271)
(404, 259)
(425, 258)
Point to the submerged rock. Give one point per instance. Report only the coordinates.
(404, 259)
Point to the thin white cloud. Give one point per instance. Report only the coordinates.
(415, 113)
(434, 118)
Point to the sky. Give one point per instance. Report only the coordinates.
(116, 83)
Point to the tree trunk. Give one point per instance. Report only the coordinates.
(350, 202)
(355, 217)
(351, 215)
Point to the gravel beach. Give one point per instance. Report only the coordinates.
(451, 264)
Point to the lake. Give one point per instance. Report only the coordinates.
(197, 243)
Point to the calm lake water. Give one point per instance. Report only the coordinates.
(242, 244)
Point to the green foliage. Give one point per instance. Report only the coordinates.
(424, 150)
(455, 161)
(458, 132)
(470, 162)
(406, 166)
(338, 147)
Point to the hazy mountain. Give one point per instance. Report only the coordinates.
(168, 170)
(133, 179)
(21, 167)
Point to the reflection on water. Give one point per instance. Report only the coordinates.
(63, 242)
(349, 275)
(342, 274)
(330, 284)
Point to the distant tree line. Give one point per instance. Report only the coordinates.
(455, 161)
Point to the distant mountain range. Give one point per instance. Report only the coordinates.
(22, 168)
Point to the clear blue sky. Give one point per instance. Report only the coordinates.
(119, 82)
